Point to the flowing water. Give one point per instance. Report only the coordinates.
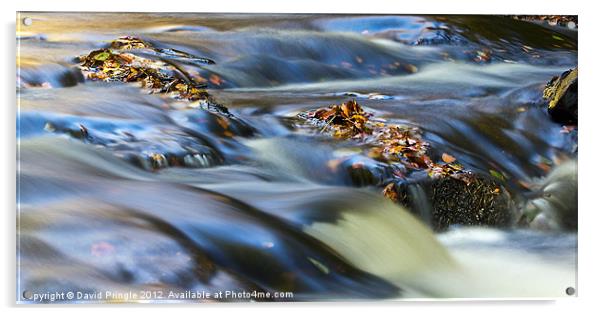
(255, 206)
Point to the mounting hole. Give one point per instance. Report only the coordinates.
(27, 21)
(27, 295)
(570, 290)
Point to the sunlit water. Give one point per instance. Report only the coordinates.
(262, 210)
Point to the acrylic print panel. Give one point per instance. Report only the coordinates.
(192, 158)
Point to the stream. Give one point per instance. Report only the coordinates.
(255, 205)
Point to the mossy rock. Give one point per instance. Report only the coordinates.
(561, 93)
(481, 201)
(470, 200)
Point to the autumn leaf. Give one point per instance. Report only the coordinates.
(216, 80)
(390, 192)
(447, 158)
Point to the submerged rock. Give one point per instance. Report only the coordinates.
(364, 171)
(47, 76)
(147, 147)
(561, 94)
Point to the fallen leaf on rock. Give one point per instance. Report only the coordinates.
(120, 63)
(390, 192)
(448, 158)
(389, 143)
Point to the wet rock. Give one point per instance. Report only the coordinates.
(439, 35)
(472, 200)
(561, 94)
(131, 59)
(154, 75)
(158, 70)
(48, 76)
(153, 161)
(480, 201)
(364, 171)
(553, 205)
(205, 129)
(217, 130)
(146, 147)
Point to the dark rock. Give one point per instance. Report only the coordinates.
(147, 147)
(364, 171)
(561, 93)
(472, 200)
(480, 201)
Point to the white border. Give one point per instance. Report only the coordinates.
(590, 223)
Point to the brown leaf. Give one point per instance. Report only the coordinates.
(216, 80)
(390, 192)
(447, 158)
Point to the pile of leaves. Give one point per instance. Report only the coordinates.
(146, 65)
(563, 20)
(390, 143)
(400, 144)
(345, 121)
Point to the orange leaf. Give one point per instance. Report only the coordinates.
(215, 79)
(448, 158)
(390, 192)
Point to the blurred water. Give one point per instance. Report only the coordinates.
(255, 205)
